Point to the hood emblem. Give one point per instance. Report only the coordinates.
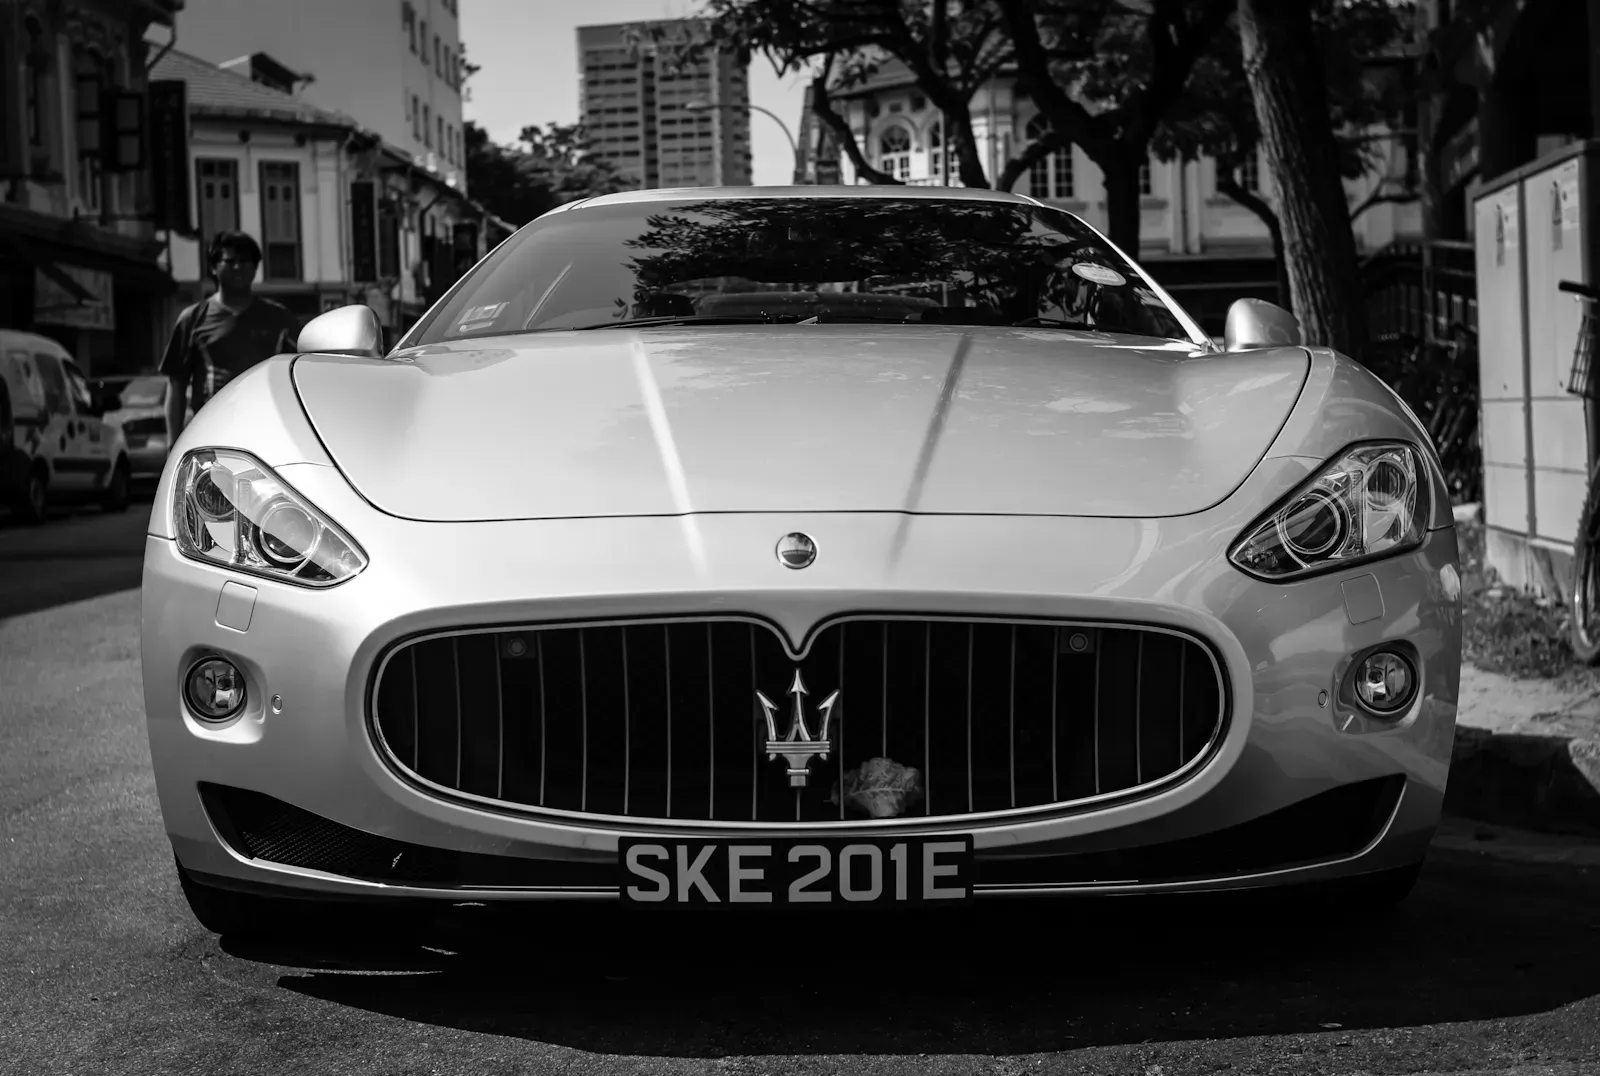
(798, 747)
(796, 550)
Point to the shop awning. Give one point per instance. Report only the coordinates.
(25, 252)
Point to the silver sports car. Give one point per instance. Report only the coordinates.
(879, 547)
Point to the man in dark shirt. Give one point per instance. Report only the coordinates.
(222, 336)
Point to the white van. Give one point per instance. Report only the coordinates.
(54, 443)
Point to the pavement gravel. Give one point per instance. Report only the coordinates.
(1491, 967)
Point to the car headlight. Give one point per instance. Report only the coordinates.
(1371, 501)
(231, 510)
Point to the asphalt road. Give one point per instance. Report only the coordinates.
(1492, 966)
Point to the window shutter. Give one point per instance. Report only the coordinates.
(13, 94)
(124, 130)
(168, 130)
(90, 115)
(363, 224)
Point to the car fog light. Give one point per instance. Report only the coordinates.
(1385, 681)
(214, 689)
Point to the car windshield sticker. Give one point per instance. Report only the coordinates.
(1099, 274)
(479, 317)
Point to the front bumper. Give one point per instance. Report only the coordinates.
(304, 738)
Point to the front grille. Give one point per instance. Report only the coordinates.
(663, 719)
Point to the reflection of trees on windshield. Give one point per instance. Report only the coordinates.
(978, 262)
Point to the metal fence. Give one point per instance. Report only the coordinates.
(1402, 298)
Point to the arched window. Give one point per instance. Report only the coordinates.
(894, 151)
(936, 153)
(1051, 176)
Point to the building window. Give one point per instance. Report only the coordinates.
(92, 73)
(448, 70)
(437, 65)
(1146, 181)
(280, 220)
(1051, 176)
(936, 154)
(408, 19)
(416, 119)
(427, 130)
(37, 88)
(439, 124)
(894, 152)
(216, 197)
(424, 53)
(1248, 174)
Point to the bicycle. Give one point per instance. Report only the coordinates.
(1585, 588)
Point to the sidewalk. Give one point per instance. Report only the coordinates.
(1527, 753)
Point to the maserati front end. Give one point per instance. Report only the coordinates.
(835, 547)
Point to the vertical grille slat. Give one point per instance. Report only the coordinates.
(1055, 717)
(500, 722)
(1011, 716)
(631, 719)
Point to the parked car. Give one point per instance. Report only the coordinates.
(61, 448)
(657, 565)
(138, 403)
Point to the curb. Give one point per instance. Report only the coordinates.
(1548, 784)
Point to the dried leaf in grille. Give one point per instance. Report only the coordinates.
(881, 787)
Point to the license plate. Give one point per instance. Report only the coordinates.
(818, 872)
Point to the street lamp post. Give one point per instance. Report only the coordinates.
(794, 147)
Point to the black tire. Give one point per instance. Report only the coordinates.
(115, 498)
(32, 496)
(1583, 594)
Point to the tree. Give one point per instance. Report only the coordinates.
(951, 48)
(1288, 82)
(1217, 117)
(1128, 59)
(548, 167)
(468, 69)
(1104, 74)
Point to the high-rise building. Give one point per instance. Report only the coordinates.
(632, 102)
(392, 65)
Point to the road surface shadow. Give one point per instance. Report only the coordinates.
(77, 553)
(1474, 942)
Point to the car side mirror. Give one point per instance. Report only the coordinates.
(349, 330)
(1254, 323)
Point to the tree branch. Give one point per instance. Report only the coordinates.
(1065, 114)
(1175, 45)
(1381, 197)
(822, 105)
(1036, 151)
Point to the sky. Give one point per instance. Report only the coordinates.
(528, 53)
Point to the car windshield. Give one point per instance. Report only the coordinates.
(144, 392)
(786, 260)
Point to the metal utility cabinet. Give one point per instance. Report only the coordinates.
(1534, 227)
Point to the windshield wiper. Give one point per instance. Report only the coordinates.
(673, 319)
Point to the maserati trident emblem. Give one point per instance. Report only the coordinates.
(796, 550)
(798, 747)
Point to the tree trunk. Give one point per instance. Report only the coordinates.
(1121, 171)
(1283, 65)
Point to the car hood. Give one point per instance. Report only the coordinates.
(808, 418)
